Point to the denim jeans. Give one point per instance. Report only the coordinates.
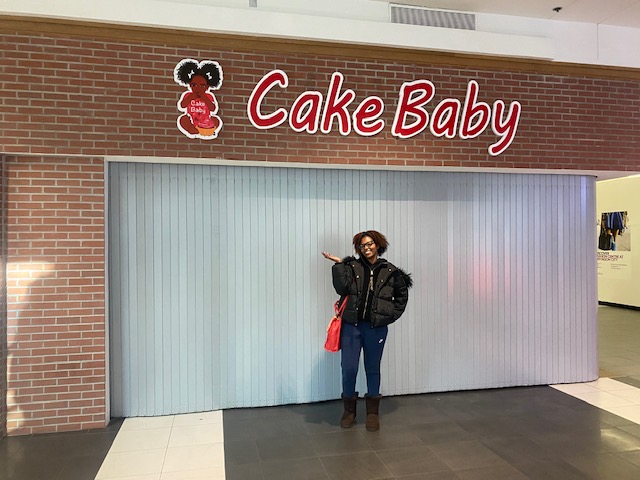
(371, 341)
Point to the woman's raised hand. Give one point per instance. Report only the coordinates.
(333, 258)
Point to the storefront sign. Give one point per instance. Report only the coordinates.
(312, 111)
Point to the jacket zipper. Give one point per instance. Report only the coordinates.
(369, 290)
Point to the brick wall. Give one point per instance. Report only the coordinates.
(55, 292)
(68, 102)
(72, 96)
(3, 305)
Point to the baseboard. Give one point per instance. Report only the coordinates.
(609, 304)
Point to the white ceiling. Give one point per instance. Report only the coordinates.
(624, 13)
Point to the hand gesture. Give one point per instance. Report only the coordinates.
(333, 258)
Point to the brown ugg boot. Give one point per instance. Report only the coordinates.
(373, 419)
(349, 416)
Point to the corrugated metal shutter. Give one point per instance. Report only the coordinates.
(219, 296)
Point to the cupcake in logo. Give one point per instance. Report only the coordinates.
(198, 104)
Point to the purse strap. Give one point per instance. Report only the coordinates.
(339, 307)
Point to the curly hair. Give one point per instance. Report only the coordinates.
(379, 239)
(207, 69)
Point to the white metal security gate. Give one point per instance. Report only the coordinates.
(219, 297)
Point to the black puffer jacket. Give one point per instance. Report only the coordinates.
(390, 292)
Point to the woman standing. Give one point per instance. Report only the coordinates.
(377, 293)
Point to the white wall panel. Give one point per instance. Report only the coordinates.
(622, 286)
(219, 296)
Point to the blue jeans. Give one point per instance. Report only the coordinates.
(352, 340)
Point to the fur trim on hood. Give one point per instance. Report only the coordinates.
(407, 277)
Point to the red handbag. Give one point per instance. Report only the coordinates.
(332, 344)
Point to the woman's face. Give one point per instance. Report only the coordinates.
(198, 84)
(368, 249)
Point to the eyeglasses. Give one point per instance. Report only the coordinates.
(368, 244)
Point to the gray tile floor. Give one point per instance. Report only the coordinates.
(515, 433)
(58, 456)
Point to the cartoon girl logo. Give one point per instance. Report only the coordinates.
(199, 105)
